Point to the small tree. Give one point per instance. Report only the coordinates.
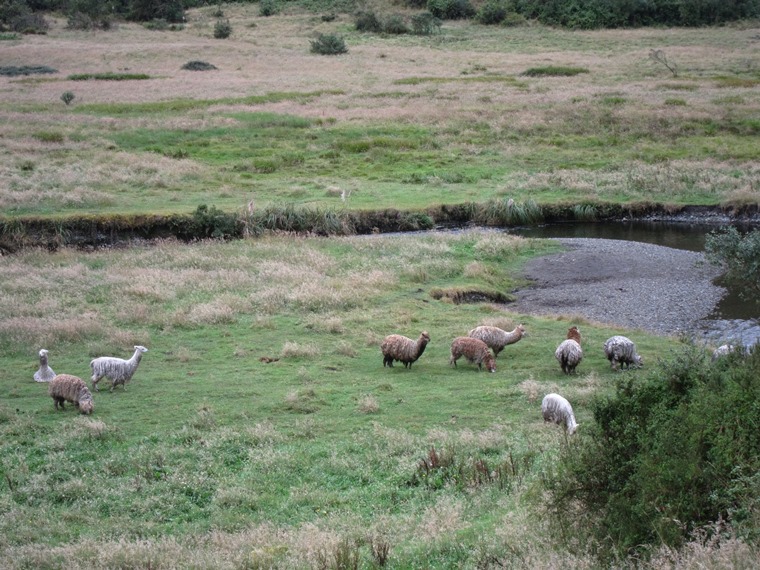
(67, 97)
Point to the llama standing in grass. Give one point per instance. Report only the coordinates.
(558, 410)
(45, 373)
(68, 388)
(569, 353)
(621, 352)
(117, 370)
(474, 350)
(497, 338)
(403, 349)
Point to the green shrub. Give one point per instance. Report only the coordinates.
(268, 8)
(740, 255)
(395, 24)
(666, 455)
(67, 97)
(451, 9)
(513, 20)
(368, 22)
(108, 76)
(147, 10)
(425, 24)
(328, 44)
(222, 29)
(493, 12)
(212, 223)
(88, 15)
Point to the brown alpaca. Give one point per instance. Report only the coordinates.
(403, 349)
(474, 350)
(65, 387)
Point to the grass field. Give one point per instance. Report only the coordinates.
(322, 458)
(399, 121)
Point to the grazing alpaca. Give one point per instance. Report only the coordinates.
(497, 338)
(117, 370)
(45, 373)
(569, 353)
(474, 350)
(403, 349)
(65, 387)
(558, 410)
(621, 351)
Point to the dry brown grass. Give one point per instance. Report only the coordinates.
(366, 86)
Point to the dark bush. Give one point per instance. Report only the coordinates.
(368, 22)
(493, 12)
(213, 223)
(196, 65)
(451, 9)
(17, 16)
(395, 24)
(268, 8)
(147, 10)
(328, 44)
(425, 24)
(667, 454)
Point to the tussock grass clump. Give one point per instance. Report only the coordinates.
(554, 71)
(585, 212)
(108, 76)
(15, 71)
(508, 212)
(197, 65)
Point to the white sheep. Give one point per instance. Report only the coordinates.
(45, 373)
(569, 355)
(118, 370)
(497, 338)
(722, 350)
(621, 351)
(403, 349)
(558, 410)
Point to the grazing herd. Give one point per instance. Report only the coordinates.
(476, 348)
(68, 388)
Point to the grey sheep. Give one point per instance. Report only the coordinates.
(117, 370)
(497, 338)
(403, 349)
(569, 355)
(621, 352)
(45, 373)
(558, 410)
(68, 388)
(474, 350)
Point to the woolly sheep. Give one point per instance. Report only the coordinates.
(65, 387)
(722, 350)
(569, 355)
(117, 370)
(497, 338)
(45, 373)
(474, 350)
(558, 410)
(621, 351)
(403, 349)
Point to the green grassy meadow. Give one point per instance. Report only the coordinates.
(322, 458)
(212, 454)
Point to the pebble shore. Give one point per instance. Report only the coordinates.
(629, 284)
